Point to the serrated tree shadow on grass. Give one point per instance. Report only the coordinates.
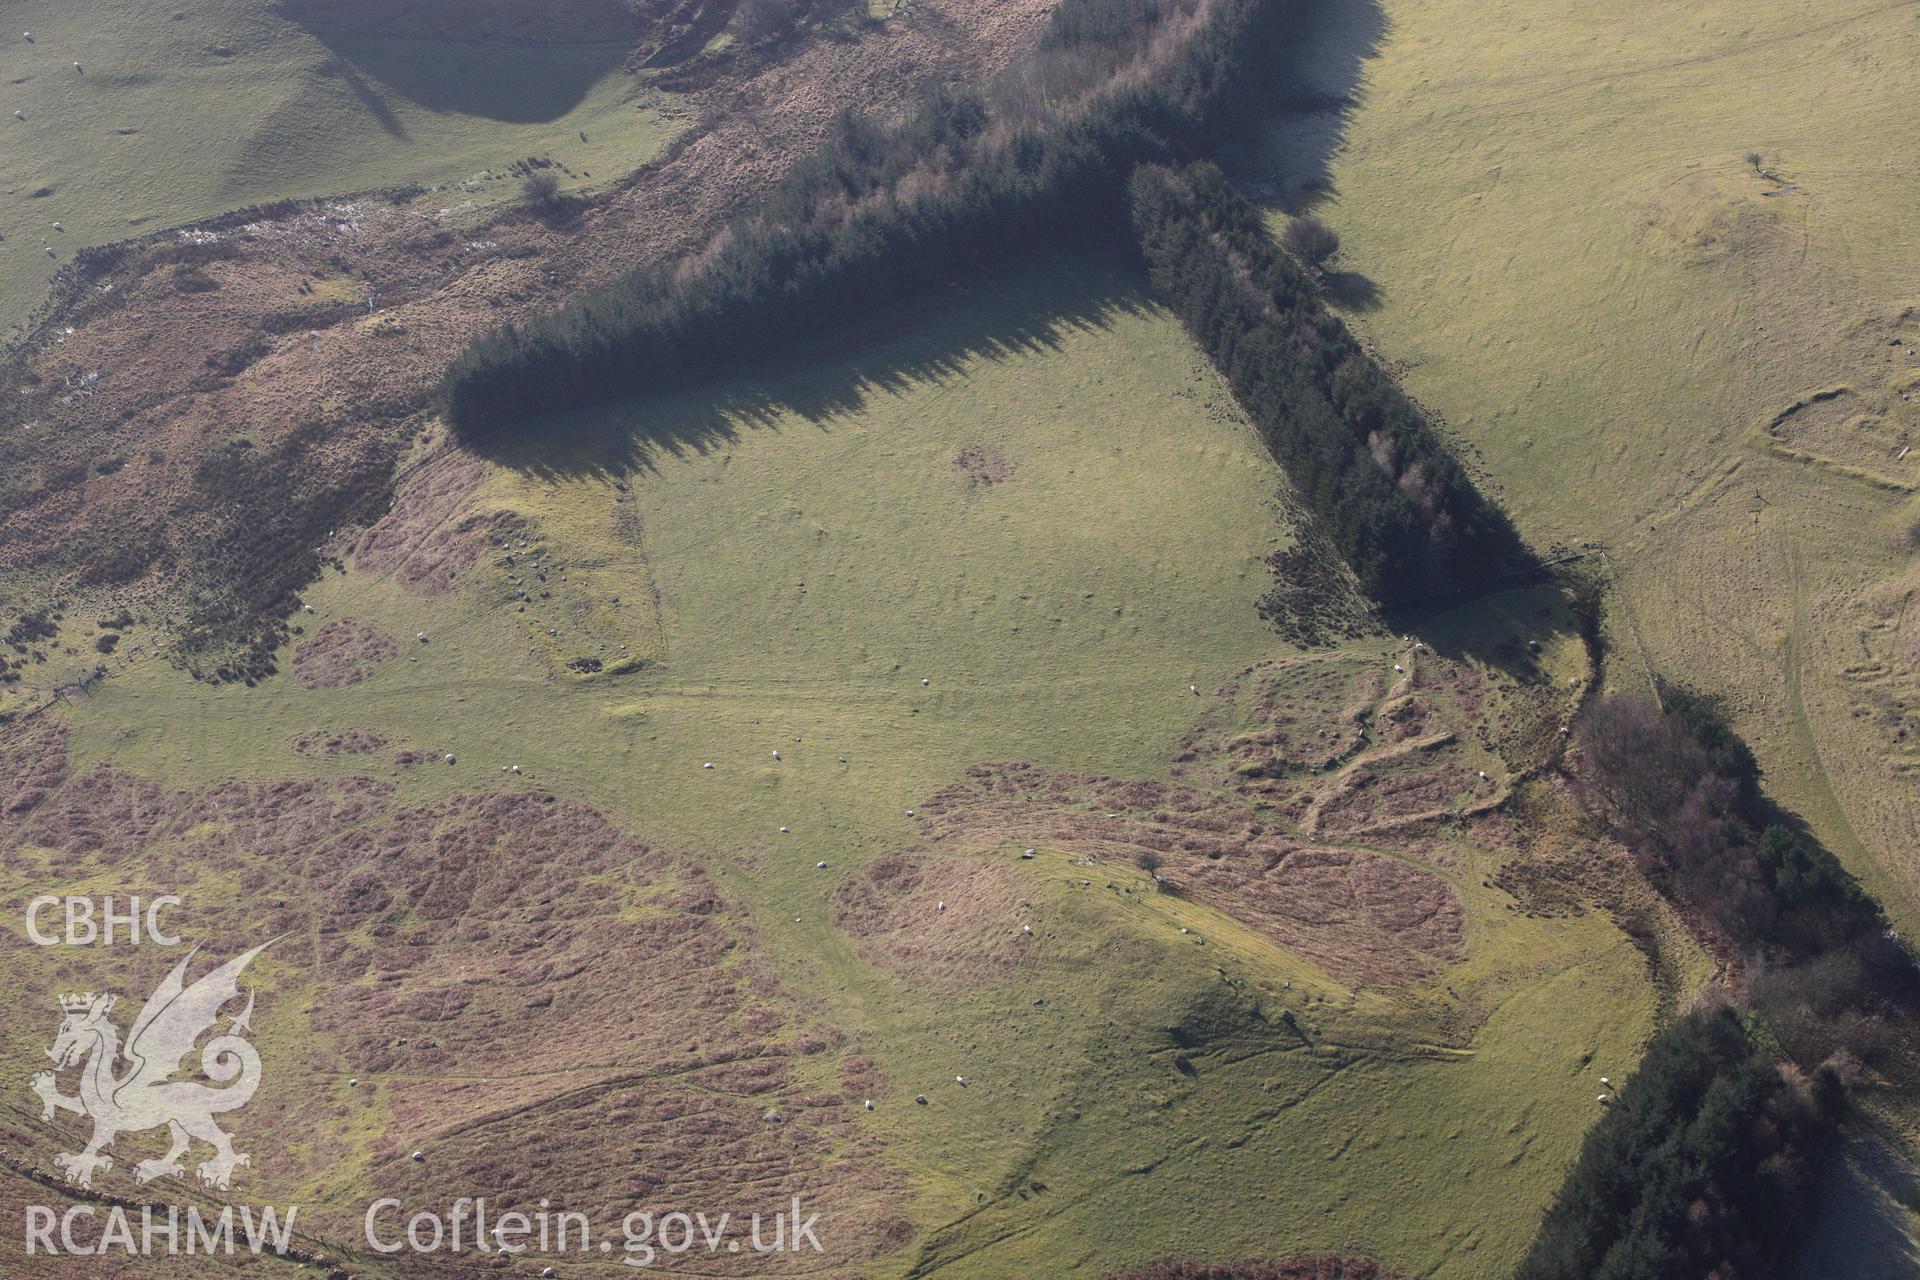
(936, 338)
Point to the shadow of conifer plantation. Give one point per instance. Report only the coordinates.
(1317, 80)
(935, 338)
(490, 59)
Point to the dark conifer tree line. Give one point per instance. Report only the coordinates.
(1396, 503)
(1705, 1164)
(881, 213)
(1682, 792)
(1068, 152)
(1702, 1166)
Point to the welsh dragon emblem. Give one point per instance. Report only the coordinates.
(142, 1095)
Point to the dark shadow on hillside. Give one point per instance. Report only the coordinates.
(1864, 1210)
(1510, 608)
(1282, 158)
(932, 340)
(517, 65)
(1351, 291)
(1315, 83)
(1498, 627)
(376, 105)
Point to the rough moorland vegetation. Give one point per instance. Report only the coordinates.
(1037, 162)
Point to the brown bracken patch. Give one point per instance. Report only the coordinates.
(1319, 1266)
(33, 760)
(342, 653)
(951, 921)
(1318, 800)
(332, 382)
(564, 1011)
(428, 539)
(1359, 914)
(542, 1004)
(339, 742)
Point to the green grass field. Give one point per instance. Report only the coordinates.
(792, 558)
(1041, 502)
(1550, 217)
(159, 126)
(1585, 276)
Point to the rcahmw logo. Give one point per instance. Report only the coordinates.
(127, 1085)
(85, 1231)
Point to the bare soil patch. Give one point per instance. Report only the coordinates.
(983, 466)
